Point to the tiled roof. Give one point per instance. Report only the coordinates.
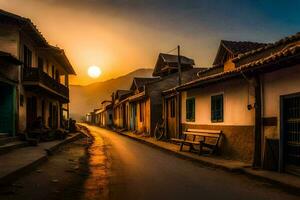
(285, 52)
(29, 27)
(121, 93)
(61, 56)
(24, 21)
(140, 81)
(235, 48)
(282, 41)
(106, 101)
(169, 58)
(238, 47)
(289, 52)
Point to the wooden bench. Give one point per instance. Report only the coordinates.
(199, 137)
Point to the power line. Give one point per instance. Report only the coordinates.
(172, 50)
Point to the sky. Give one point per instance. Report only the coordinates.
(120, 36)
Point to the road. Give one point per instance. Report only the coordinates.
(137, 171)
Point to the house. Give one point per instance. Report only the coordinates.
(255, 102)
(121, 108)
(43, 90)
(88, 117)
(9, 80)
(276, 68)
(91, 117)
(218, 104)
(139, 106)
(149, 99)
(104, 116)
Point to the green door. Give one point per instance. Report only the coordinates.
(7, 108)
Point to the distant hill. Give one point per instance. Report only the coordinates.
(85, 98)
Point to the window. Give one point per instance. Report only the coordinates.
(190, 109)
(172, 108)
(27, 57)
(217, 108)
(40, 63)
(57, 77)
(141, 112)
(53, 72)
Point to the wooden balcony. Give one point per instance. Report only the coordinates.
(39, 81)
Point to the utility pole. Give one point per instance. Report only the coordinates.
(179, 66)
(178, 97)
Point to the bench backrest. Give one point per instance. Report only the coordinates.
(203, 133)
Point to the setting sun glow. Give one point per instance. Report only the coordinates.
(94, 71)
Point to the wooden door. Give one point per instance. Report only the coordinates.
(291, 109)
(31, 111)
(133, 116)
(171, 117)
(6, 109)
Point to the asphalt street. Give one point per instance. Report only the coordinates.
(137, 171)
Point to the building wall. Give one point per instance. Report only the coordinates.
(238, 125)
(22, 112)
(229, 65)
(282, 82)
(9, 39)
(119, 115)
(12, 40)
(276, 84)
(143, 126)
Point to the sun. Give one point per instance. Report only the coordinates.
(94, 71)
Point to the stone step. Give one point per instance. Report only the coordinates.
(5, 140)
(12, 146)
(3, 135)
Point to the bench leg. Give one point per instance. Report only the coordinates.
(192, 147)
(200, 147)
(181, 146)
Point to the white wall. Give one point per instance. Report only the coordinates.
(281, 82)
(235, 95)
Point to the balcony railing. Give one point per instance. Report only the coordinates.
(37, 75)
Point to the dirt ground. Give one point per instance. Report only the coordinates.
(66, 175)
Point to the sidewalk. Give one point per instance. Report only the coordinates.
(20, 161)
(281, 179)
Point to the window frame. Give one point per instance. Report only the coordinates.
(190, 115)
(217, 118)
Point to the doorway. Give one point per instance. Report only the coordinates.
(7, 109)
(290, 132)
(31, 111)
(171, 117)
(133, 116)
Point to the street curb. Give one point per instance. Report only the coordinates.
(31, 166)
(282, 185)
(55, 148)
(21, 171)
(289, 187)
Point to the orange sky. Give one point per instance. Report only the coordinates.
(121, 36)
(116, 45)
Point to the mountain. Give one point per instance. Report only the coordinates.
(84, 99)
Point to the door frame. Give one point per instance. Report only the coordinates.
(13, 100)
(282, 140)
